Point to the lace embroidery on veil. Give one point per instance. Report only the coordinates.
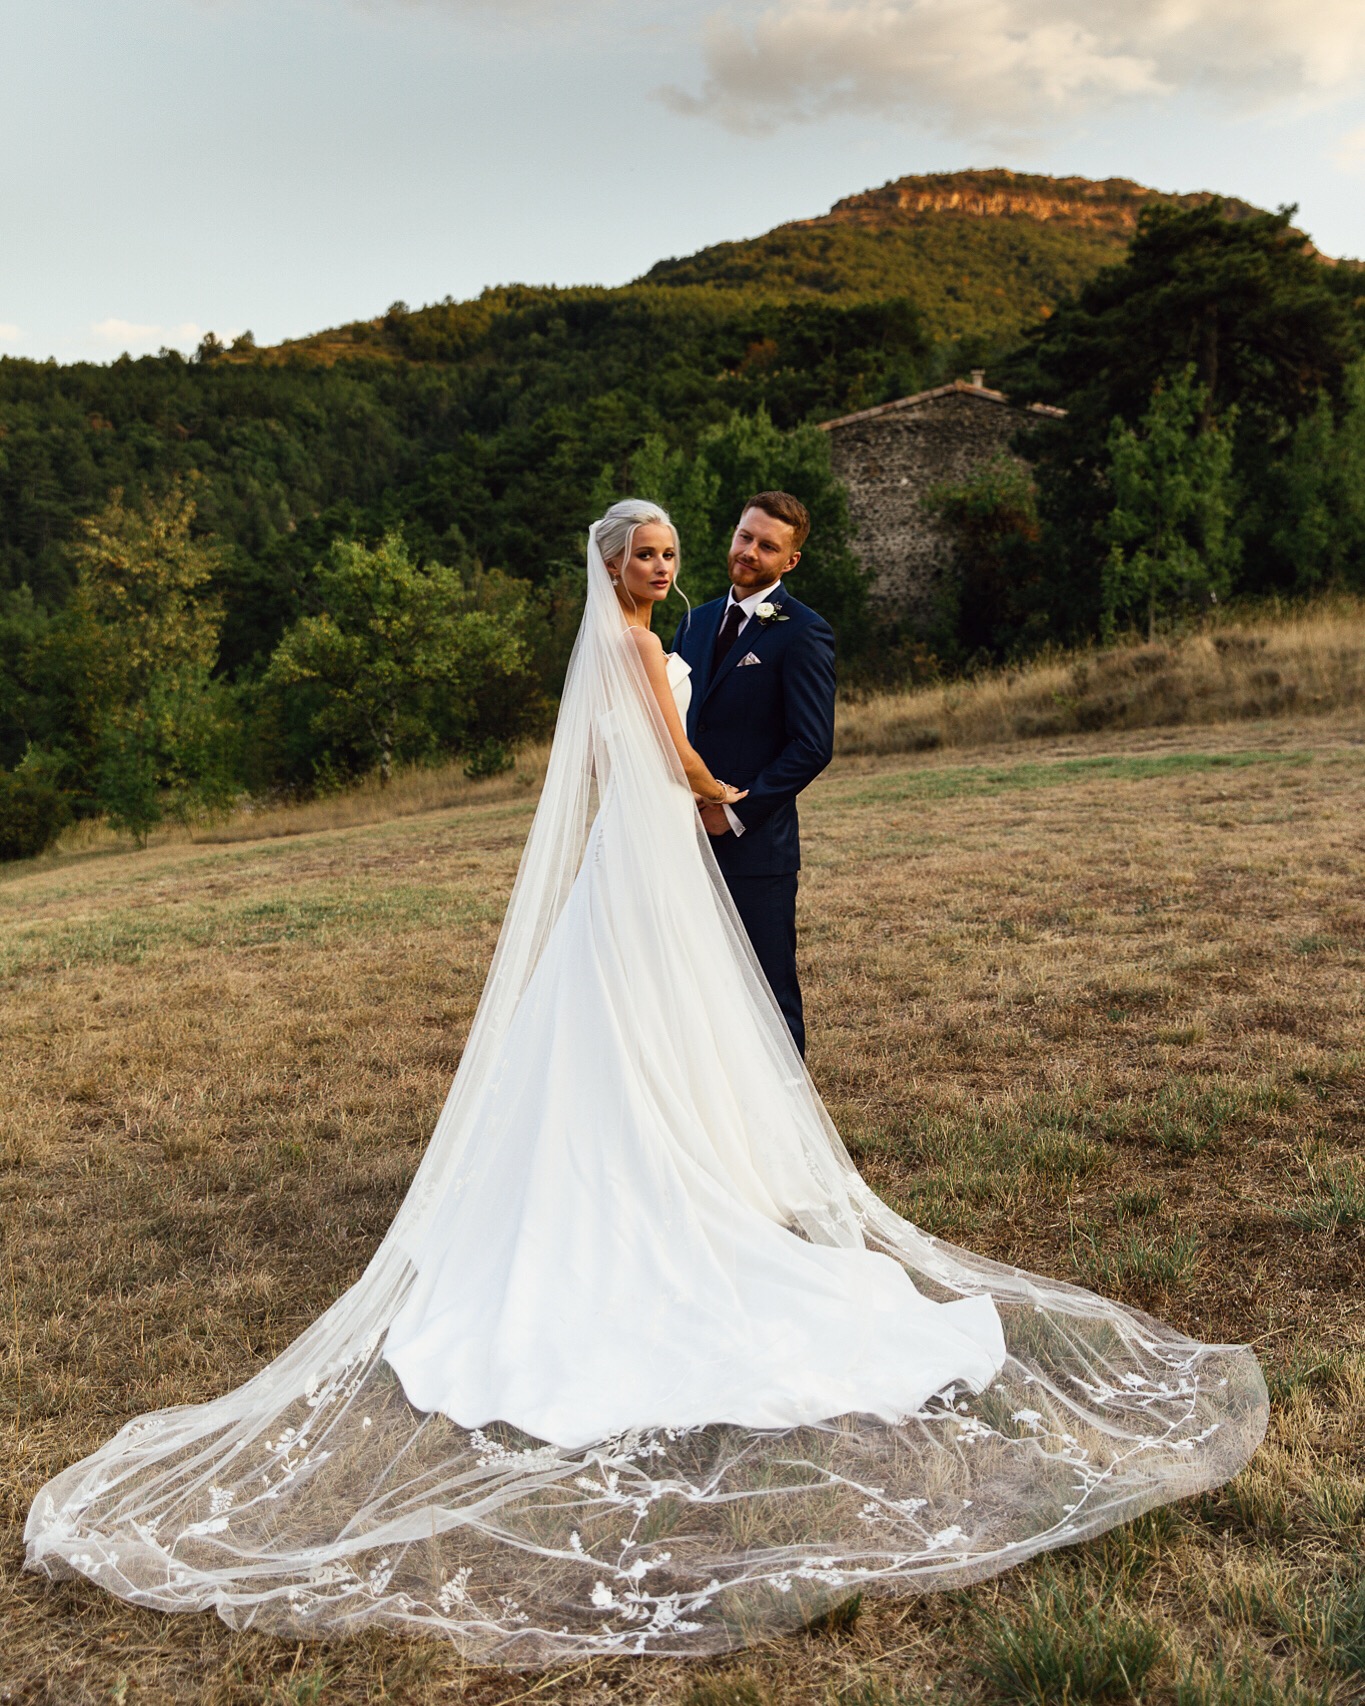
(349, 1484)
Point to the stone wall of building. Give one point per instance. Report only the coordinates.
(889, 457)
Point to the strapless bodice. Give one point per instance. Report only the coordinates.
(680, 680)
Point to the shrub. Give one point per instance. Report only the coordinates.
(407, 659)
(488, 758)
(32, 814)
(992, 519)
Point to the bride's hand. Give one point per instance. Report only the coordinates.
(730, 795)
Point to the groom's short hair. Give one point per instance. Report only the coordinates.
(782, 506)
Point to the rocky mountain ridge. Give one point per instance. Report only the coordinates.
(1107, 204)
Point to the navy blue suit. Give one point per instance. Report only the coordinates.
(768, 727)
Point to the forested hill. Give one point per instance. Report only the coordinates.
(487, 428)
(979, 255)
(485, 425)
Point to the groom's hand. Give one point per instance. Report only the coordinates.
(714, 820)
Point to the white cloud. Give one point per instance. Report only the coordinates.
(1015, 67)
(9, 332)
(114, 330)
(130, 335)
(1349, 153)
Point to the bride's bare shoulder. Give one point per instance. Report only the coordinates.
(646, 643)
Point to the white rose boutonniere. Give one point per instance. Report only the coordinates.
(768, 612)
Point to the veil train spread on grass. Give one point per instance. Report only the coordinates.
(642, 1365)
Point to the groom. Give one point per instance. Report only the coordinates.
(762, 717)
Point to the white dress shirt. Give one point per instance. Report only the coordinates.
(748, 604)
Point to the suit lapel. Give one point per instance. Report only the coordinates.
(756, 637)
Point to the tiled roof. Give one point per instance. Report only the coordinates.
(979, 392)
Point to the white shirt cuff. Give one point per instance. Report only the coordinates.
(733, 821)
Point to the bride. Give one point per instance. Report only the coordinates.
(642, 1364)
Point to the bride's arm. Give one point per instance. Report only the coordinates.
(702, 783)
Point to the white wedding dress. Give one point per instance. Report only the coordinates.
(642, 1364)
(624, 1259)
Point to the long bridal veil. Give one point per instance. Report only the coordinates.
(316, 1498)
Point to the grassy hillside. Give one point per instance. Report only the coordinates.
(1310, 661)
(1094, 1011)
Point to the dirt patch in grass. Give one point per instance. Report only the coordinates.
(1092, 1008)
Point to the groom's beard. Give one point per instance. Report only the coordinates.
(750, 577)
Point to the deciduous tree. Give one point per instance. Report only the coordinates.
(406, 658)
(148, 732)
(1314, 503)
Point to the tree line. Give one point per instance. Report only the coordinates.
(1214, 443)
(118, 702)
(260, 574)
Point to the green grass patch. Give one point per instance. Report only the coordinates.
(954, 782)
(1329, 1622)
(742, 1690)
(1185, 1117)
(1059, 1649)
(1335, 1200)
(1244, 1682)
(1063, 1157)
(1025, 1150)
(1161, 1257)
(1324, 1620)
(868, 1692)
(1331, 1071)
(126, 937)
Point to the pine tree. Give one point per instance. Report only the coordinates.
(1171, 483)
(1316, 503)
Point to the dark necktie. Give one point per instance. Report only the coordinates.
(729, 633)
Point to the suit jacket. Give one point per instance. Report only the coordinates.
(765, 726)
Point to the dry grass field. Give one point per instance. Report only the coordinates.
(1091, 1003)
(1255, 663)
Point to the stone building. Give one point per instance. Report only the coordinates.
(890, 456)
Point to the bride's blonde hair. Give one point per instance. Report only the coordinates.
(616, 529)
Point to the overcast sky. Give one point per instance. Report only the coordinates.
(171, 166)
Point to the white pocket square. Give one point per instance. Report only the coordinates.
(748, 658)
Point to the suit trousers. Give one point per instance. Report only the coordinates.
(767, 910)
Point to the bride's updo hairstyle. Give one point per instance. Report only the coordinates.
(616, 529)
